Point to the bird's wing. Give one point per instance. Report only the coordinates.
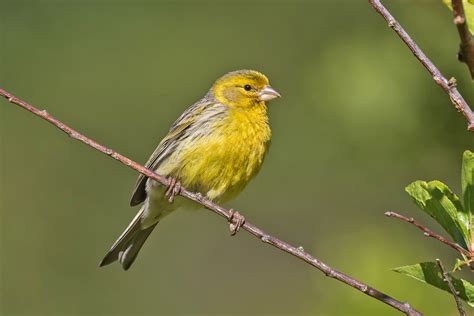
(167, 146)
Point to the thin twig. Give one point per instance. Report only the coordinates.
(196, 197)
(466, 47)
(449, 86)
(455, 293)
(429, 233)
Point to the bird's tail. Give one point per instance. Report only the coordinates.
(127, 246)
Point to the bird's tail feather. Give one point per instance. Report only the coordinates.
(127, 246)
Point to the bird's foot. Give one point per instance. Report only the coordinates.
(236, 221)
(174, 187)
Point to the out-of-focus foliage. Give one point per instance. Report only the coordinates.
(468, 12)
(359, 119)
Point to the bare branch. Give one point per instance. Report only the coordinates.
(466, 47)
(429, 233)
(198, 198)
(455, 293)
(448, 86)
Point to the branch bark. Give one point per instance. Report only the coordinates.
(449, 86)
(429, 233)
(455, 293)
(298, 252)
(466, 47)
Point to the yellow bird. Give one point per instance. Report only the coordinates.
(215, 147)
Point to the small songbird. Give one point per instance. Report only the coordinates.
(215, 147)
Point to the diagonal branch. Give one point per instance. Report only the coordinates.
(455, 293)
(198, 198)
(448, 86)
(466, 47)
(429, 233)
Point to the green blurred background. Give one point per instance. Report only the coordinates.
(359, 120)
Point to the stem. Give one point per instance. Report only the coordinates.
(449, 86)
(455, 293)
(429, 233)
(466, 47)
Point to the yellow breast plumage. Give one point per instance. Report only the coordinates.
(221, 164)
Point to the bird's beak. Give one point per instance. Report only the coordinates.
(268, 93)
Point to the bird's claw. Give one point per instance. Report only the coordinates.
(174, 187)
(236, 221)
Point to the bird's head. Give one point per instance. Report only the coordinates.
(243, 88)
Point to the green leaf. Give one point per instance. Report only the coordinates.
(437, 200)
(429, 272)
(467, 180)
(468, 11)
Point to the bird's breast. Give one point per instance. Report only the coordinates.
(221, 163)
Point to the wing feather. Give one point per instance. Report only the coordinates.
(167, 146)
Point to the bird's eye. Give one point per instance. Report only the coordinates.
(247, 87)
